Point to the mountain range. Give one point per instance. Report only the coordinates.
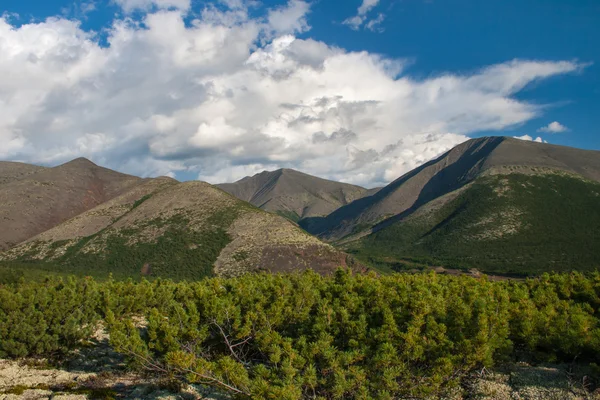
(497, 204)
(84, 219)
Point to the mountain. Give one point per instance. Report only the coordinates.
(165, 228)
(449, 172)
(293, 194)
(35, 199)
(497, 204)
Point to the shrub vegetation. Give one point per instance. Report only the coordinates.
(307, 336)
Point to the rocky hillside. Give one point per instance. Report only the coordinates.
(179, 230)
(13, 171)
(293, 194)
(35, 199)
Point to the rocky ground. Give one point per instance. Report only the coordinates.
(95, 371)
(33, 382)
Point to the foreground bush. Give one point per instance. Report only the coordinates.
(42, 319)
(306, 336)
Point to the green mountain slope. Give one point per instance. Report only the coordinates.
(500, 223)
(449, 172)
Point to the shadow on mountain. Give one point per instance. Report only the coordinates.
(448, 179)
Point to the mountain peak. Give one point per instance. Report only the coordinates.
(293, 193)
(80, 162)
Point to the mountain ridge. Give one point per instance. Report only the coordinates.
(495, 193)
(162, 227)
(49, 196)
(447, 173)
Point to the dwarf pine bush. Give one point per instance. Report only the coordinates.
(299, 336)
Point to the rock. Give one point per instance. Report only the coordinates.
(13, 374)
(29, 394)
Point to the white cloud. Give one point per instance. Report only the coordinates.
(531, 139)
(366, 6)
(79, 9)
(226, 96)
(145, 5)
(554, 127)
(290, 18)
(374, 24)
(360, 18)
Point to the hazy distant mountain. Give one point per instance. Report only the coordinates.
(159, 227)
(495, 203)
(294, 194)
(35, 199)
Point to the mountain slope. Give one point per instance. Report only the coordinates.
(510, 223)
(178, 230)
(293, 194)
(449, 172)
(13, 171)
(45, 198)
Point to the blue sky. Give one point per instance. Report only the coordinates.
(428, 39)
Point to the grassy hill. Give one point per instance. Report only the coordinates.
(178, 230)
(510, 223)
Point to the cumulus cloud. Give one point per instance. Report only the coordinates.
(360, 18)
(553, 127)
(227, 95)
(530, 138)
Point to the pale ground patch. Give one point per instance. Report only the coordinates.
(95, 371)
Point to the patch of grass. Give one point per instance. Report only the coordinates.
(16, 390)
(291, 215)
(140, 201)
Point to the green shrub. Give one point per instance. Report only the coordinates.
(306, 336)
(265, 336)
(46, 318)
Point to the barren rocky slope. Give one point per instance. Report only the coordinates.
(13, 171)
(294, 194)
(47, 197)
